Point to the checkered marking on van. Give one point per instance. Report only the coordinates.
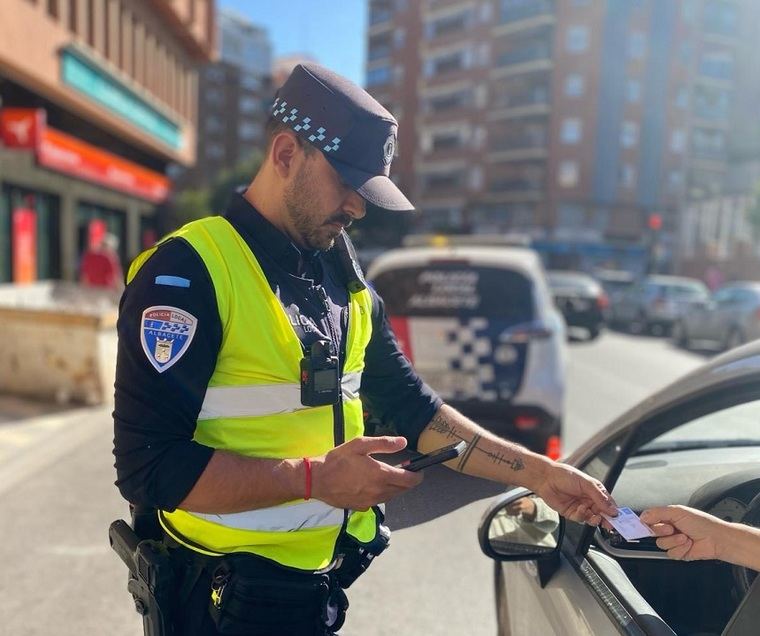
(305, 123)
(469, 349)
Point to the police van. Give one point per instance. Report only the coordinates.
(479, 325)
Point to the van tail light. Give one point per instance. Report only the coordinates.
(554, 447)
(526, 422)
(526, 333)
(602, 301)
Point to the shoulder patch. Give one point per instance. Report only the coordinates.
(166, 334)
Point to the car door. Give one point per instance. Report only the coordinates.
(578, 599)
(722, 315)
(585, 590)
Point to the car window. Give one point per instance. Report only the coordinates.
(572, 282)
(724, 296)
(446, 289)
(687, 291)
(732, 426)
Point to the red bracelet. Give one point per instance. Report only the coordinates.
(307, 490)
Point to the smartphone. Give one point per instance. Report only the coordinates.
(436, 457)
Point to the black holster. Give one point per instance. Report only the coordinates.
(254, 597)
(357, 556)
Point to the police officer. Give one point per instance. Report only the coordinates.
(245, 341)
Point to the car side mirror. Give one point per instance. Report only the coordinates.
(520, 526)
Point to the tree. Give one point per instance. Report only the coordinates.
(189, 205)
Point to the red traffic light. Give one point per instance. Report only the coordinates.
(655, 222)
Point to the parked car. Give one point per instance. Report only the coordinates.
(580, 298)
(728, 319)
(696, 443)
(654, 304)
(480, 327)
(615, 283)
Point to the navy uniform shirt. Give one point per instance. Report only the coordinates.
(157, 461)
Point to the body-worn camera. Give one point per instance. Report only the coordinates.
(320, 375)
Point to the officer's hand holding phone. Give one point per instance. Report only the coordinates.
(349, 477)
(436, 457)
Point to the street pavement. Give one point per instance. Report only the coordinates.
(57, 499)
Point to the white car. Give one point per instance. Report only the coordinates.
(695, 443)
(480, 327)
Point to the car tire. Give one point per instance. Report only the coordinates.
(502, 613)
(680, 335)
(638, 325)
(593, 332)
(734, 339)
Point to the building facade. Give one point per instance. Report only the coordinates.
(97, 98)
(572, 120)
(234, 96)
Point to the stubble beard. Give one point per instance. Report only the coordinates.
(300, 197)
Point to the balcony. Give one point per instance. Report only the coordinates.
(514, 190)
(528, 10)
(379, 16)
(379, 52)
(528, 16)
(528, 58)
(535, 102)
(519, 146)
(442, 184)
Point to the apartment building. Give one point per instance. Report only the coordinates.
(234, 96)
(569, 119)
(97, 98)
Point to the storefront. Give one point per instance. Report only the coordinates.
(59, 193)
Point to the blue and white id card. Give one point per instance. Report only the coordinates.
(628, 525)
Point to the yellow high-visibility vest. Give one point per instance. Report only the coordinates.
(253, 407)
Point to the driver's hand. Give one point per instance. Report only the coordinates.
(687, 534)
(524, 506)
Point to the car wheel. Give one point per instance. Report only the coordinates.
(733, 339)
(500, 592)
(680, 335)
(638, 325)
(593, 332)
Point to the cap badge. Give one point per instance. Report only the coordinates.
(389, 148)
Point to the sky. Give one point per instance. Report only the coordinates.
(332, 31)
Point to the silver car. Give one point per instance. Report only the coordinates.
(696, 443)
(654, 304)
(728, 319)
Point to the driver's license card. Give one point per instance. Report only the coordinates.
(628, 524)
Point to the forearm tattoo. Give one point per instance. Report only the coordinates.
(441, 424)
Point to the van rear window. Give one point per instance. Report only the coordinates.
(457, 290)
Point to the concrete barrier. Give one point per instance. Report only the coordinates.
(58, 342)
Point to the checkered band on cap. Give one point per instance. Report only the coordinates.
(355, 133)
(299, 122)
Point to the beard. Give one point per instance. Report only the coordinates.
(313, 232)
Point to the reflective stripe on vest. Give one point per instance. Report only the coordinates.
(264, 399)
(308, 514)
(252, 408)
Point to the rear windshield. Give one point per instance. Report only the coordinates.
(560, 281)
(453, 289)
(687, 291)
